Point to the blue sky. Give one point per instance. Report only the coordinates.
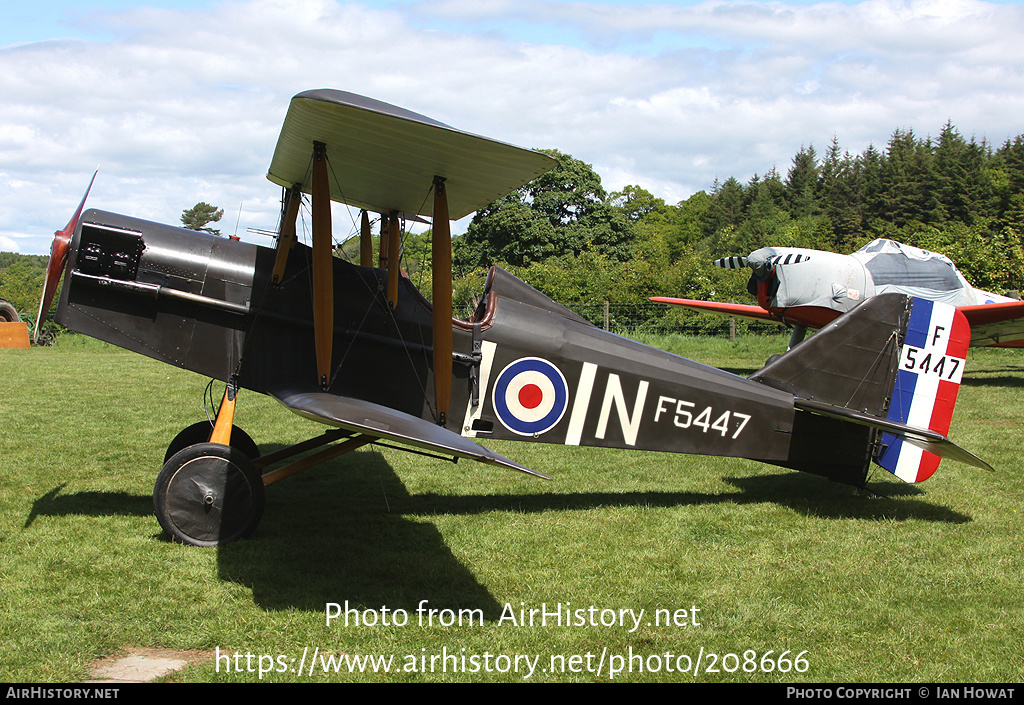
(51, 19)
(55, 19)
(181, 101)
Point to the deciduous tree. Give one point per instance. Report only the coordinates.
(563, 211)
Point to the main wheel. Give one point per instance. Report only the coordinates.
(199, 432)
(208, 494)
(8, 314)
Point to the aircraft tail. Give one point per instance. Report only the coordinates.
(879, 383)
(926, 386)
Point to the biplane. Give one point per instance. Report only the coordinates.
(357, 348)
(804, 288)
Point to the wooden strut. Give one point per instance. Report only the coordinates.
(323, 267)
(286, 237)
(441, 263)
(329, 436)
(225, 416)
(315, 459)
(394, 259)
(365, 240)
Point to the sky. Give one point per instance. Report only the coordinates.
(181, 101)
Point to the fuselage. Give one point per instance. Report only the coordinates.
(523, 367)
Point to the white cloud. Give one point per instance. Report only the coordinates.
(8, 244)
(182, 106)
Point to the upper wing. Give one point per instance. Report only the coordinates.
(381, 422)
(996, 324)
(384, 158)
(741, 310)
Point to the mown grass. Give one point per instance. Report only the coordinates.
(902, 583)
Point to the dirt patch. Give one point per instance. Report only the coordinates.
(138, 665)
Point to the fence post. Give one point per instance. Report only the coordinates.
(606, 306)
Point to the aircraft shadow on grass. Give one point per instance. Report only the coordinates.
(1010, 377)
(351, 532)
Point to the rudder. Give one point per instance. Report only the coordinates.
(926, 386)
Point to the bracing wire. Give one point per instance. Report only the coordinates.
(304, 235)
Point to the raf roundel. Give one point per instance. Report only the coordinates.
(530, 396)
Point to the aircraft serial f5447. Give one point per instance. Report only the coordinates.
(808, 288)
(356, 347)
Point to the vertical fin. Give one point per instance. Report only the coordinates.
(927, 382)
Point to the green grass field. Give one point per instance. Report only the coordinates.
(899, 584)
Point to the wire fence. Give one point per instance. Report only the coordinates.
(661, 319)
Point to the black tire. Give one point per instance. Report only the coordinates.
(771, 359)
(8, 314)
(199, 432)
(208, 495)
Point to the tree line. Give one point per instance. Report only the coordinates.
(568, 237)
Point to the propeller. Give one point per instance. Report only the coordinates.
(58, 258)
(761, 261)
(791, 258)
(731, 262)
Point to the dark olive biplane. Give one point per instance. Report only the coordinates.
(358, 348)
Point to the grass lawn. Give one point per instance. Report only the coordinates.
(899, 584)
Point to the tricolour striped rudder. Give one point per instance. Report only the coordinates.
(927, 381)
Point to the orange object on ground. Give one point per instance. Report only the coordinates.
(14, 335)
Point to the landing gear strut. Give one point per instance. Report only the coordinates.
(210, 491)
(797, 336)
(200, 431)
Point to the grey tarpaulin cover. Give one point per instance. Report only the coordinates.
(840, 282)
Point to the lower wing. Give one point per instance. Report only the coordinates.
(376, 421)
(740, 310)
(1000, 324)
